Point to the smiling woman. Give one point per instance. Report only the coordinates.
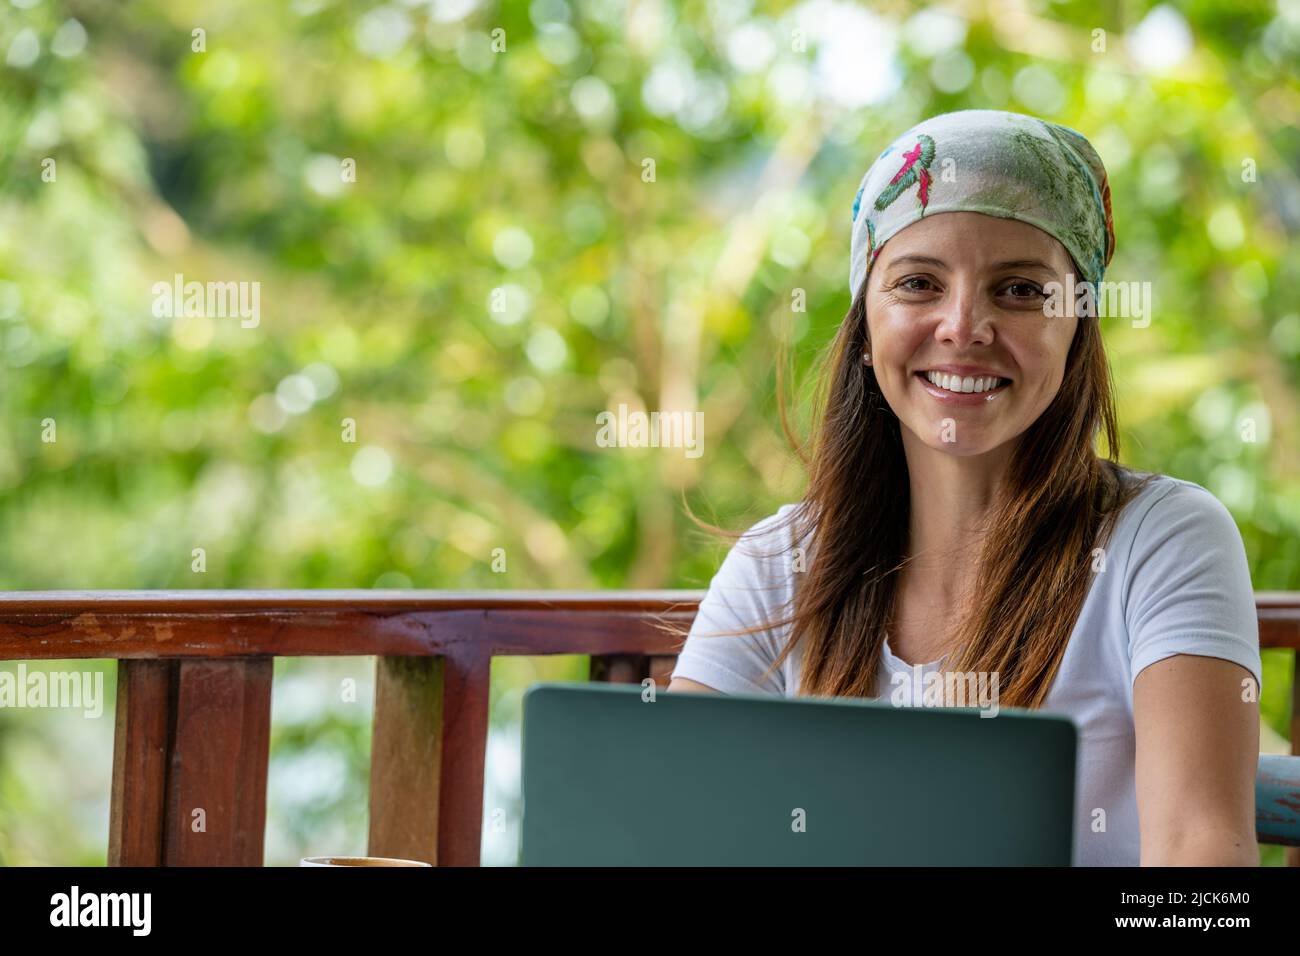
(959, 518)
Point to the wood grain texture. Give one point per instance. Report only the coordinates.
(148, 624)
(428, 758)
(466, 681)
(217, 763)
(406, 758)
(140, 742)
(212, 624)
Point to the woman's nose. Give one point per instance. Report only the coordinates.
(963, 320)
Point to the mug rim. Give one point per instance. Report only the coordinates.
(359, 861)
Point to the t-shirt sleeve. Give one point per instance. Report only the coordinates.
(753, 586)
(1188, 587)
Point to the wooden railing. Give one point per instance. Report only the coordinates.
(194, 697)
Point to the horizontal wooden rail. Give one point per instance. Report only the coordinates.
(151, 624)
(54, 625)
(194, 696)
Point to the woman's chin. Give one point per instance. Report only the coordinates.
(960, 439)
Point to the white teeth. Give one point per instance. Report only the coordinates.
(955, 383)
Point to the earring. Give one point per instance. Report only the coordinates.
(866, 358)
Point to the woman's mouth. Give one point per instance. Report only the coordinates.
(950, 389)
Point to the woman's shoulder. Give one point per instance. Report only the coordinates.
(1185, 585)
(1164, 504)
(772, 547)
(779, 527)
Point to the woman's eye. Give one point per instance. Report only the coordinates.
(1023, 290)
(916, 284)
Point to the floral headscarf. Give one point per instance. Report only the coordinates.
(1002, 164)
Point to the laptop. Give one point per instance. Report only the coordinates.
(695, 779)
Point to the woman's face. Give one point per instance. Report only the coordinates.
(961, 295)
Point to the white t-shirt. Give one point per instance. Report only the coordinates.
(1176, 581)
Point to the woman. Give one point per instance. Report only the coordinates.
(959, 519)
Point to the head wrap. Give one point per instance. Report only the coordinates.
(1002, 164)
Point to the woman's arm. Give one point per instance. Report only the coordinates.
(1197, 757)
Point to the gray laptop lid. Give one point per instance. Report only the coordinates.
(695, 779)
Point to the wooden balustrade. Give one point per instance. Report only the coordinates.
(194, 696)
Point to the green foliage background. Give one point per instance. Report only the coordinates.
(524, 171)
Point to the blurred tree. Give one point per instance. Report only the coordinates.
(475, 226)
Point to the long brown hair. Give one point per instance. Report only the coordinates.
(1058, 502)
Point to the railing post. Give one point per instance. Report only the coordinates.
(619, 668)
(428, 757)
(216, 787)
(190, 762)
(405, 758)
(139, 791)
(633, 668)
